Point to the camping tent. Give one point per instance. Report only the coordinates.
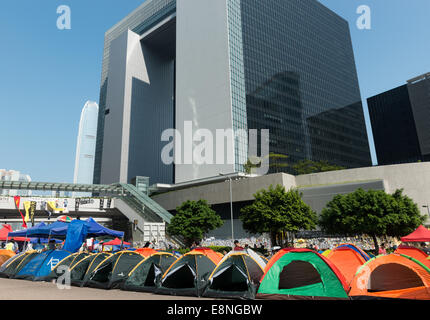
(144, 276)
(326, 252)
(41, 265)
(14, 265)
(301, 274)
(421, 234)
(347, 259)
(146, 252)
(236, 276)
(80, 272)
(415, 253)
(360, 251)
(67, 262)
(393, 276)
(5, 255)
(114, 270)
(189, 274)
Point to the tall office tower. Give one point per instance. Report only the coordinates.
(13, 175)
(86, 144)
(283, 65)
(400, 122)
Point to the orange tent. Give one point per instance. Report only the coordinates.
(5, 255)
(413, 252)
(146, 252)
(347, 260)
(213, 255)
(394, 276)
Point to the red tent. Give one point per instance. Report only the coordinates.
(115, 242)
(422, 234)
(4, 234)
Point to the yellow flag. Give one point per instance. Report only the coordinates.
(27, 205)
(52, 207)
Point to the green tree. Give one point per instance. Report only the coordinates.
(309, 166)
(193, 220)
(276, 210)
(374, 213)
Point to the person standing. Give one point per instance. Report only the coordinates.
(9, 246)
(382, 249)
(237, 246)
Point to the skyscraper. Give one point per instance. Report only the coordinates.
(86, 144)
(286, 66)
(400, 122)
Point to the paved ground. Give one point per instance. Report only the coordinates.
(11, 289)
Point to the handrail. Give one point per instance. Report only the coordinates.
(147, 202)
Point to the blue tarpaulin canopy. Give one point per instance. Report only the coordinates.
(45, 231)
(76, 234)
(44, 240)
(94, 230)
(24, 232)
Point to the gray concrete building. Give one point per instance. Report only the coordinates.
(317, 189)
(286, 66)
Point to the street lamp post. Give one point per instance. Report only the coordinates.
(231, 205)
(428, 209)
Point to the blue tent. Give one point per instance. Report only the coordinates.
(24, 232)
(41, 265)
(94, 230)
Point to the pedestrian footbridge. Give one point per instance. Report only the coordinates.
(113, 201)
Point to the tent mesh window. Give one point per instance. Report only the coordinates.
(393, 276)
(298, 274)
(182, 278)
(232, 278)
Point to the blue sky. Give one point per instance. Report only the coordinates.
(47, 75)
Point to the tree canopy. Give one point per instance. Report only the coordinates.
(276, 210)
(371, 212)
(193, 220)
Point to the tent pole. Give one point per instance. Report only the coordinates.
(122, 243)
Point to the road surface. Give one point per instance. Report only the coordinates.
(11, 289)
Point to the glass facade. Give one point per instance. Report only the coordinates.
(292, 71)
(399, 119)
(301, 82)
(140, 20)
(237, 80)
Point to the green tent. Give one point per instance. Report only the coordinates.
(80, 272)
(16, 263)
(188, 275)
(68, 262)
(302, 274)
(113, 271)
(237, 276)
(144, 276)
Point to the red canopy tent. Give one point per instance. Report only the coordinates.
(115, 242)
(422, 234)
(5, 231)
